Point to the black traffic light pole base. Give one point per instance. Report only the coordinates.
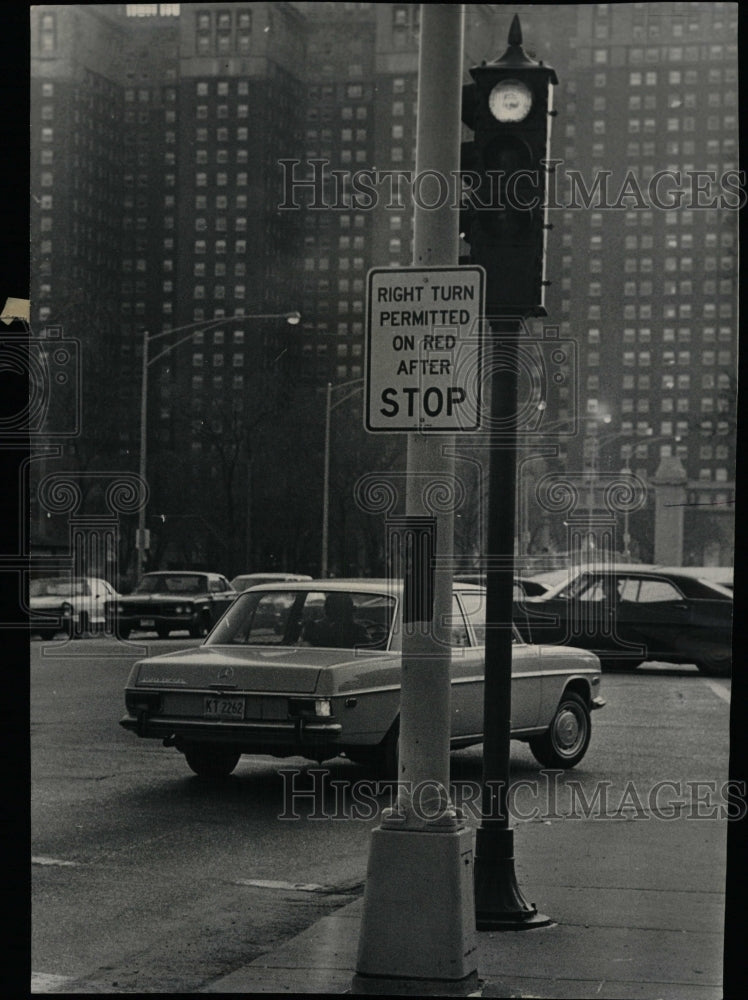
(499, 903)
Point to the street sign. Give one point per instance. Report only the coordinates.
(424, 349)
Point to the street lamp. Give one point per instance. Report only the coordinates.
(292, 318)
(329, 407)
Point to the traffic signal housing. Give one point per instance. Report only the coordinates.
(505, 177)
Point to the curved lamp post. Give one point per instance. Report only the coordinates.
(292, 318)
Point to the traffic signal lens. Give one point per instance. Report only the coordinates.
(510, 101)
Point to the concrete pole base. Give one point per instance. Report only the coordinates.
(386, 986)
(418, 922)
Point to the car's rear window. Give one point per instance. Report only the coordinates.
(337, 619)
(58, 588)
(172, 583)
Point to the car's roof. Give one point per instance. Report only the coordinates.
(365, 585)
(711, 574)
(181, 572)
(270, 577)
(648, 570)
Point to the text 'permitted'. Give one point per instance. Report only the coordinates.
(424, 349)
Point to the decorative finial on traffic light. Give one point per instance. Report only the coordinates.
(515, 55)
(508, 108)
(515, 33)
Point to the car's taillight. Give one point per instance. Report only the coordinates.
(142, 701)
(320, 708)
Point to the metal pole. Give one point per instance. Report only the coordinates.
(591, 502)
(143, 446)
(426, 688)
(326, 482)
(409, 932)
(248, 518)
(499, 903)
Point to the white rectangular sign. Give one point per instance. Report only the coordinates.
(424, 349)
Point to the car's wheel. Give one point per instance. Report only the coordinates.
(82, 624)
(566, 740)
(211, 761)
(68, 625)
(712, 666)
(47, 633)
(200, 628)
(162, 632)
(386, 756)
(123, 631)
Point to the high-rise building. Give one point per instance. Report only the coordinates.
(198, 162)
(648, 258)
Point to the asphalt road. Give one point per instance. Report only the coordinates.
(146, 880)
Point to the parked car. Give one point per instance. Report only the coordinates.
(554, 578)
(246, 580)
(70, 604)
(250, 688)
(631, 614)
(172, 601)
(523, 585)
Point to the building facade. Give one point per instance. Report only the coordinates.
(197, 166)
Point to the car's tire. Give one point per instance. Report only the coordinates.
(47, 633)
(200, 628)
(82, 625)
(213, 762)
(162, 632)
(387, 754)
(382, 759)
(566, 740)
(123, 631)
(713, 667)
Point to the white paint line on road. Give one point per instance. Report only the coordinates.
(54, 861)
(44, 982)
(718, 689)
(268, 884)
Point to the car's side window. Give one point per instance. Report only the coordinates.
(628, 589)
(474, 603)
(458, 633)
(652, 591)
(594, 591)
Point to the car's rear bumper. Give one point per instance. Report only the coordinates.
(258, 736)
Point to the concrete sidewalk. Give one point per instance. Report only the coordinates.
(637, 905)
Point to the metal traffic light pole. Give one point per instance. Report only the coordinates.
(507, 107)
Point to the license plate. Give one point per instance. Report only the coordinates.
(218, 707)
(147, 622)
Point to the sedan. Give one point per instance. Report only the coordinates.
(632, 614)
(326, 682)
(172, 601)
(73, 605)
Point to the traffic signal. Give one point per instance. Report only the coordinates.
(504, 172)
